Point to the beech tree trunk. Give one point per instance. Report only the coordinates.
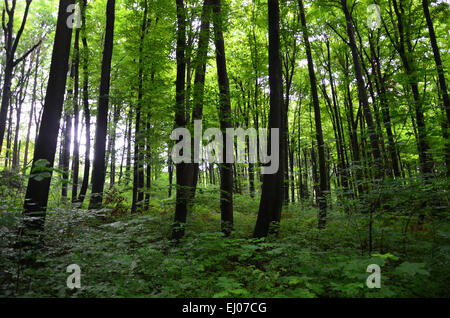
(441, 77)
(362, 93)
(180, 121)
(269, 213)
(86, 110)
(76, 115)
(323, 182)
(226, 169)
(98, 171)
(36, 196)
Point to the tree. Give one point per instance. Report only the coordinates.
(138, 173)
(86, 110)
(226, 169)
(183, 181)
(272, 189)
(441, 76)
(36, 196)
(323, 175)
(10, 63)
(362, 93)
(98, 170)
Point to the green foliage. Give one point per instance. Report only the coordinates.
(131, 256)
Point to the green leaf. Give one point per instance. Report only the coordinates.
(407, 268)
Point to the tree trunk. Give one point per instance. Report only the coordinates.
(76, 115)
(86, 111)
(362, 92)
(199, 80)
(323, 183)
(269, 213)
(98, 171)
(180, 121)
(138, 172)
(44, 152)
(426, 164)
(33, 106)
(226, 169)
(441, 76)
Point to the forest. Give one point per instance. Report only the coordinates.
(224, 149)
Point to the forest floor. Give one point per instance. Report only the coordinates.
(131, 256)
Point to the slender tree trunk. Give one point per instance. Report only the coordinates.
(116, 117)
(323, 184)
(128, 162)
(76, 115)
(33, 106)
(381, 88)
(98, 171)
(138, 172)
(362, 93)
(67, 137)
(19, 102)
(199, 79)
(180, 121)
(86, 111)
(426, 164)
(226, 169)
(441, 76)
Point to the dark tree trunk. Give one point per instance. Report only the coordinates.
(138, 172)
(37, 190)
(33, 106)
(226, 169)
(362, 93)
(98, 171)
(381, 88)
(86, 111)
(199, 81)
(441, 76)
(426, 164)
(323, 183)
(66, 134)
(8, 136)
(128, 162)
(112, 173)
(180, 121)
(269, 213)
(76, 115)
(19, 102)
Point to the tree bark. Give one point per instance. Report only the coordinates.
(37, 189)
(269, 213)
(180, 121)
(98, 171)
(86, 111)
(441, 76)
(226, 169)
(323, 183)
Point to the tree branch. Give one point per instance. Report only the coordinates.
(16, 62)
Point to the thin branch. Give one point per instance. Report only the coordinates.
(16, 62)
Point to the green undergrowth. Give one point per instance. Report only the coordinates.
(131, 256)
